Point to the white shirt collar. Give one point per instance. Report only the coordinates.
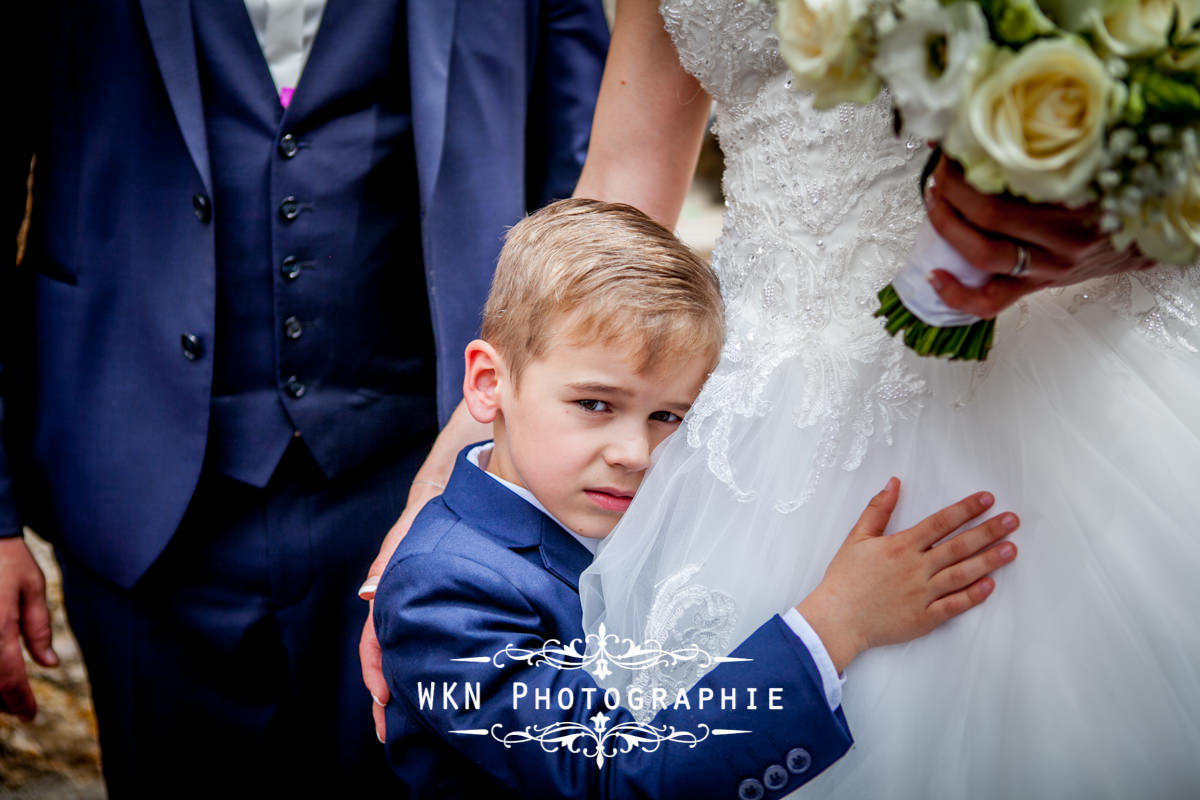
(474, 456)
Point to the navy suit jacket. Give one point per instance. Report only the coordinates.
(105, 421)
(483, 569)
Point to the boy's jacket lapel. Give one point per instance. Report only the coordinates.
(513, 521)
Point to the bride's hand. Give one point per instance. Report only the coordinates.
(882, 590)
(1065, 245)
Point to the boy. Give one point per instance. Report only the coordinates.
(598, 334)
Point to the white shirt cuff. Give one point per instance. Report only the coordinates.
(830, 680)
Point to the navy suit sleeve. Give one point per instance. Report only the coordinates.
(436, 607)
(569, 61)
(24, 38)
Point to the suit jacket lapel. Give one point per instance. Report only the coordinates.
(561, 554)
(430, 36)
(512, 521)
(169, 23)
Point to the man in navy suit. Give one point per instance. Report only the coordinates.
(599, 331)
(262, 234)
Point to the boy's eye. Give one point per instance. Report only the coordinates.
(593, 405)
(665, 416)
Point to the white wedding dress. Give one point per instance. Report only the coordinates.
(1080, 676)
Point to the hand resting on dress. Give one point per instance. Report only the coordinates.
(882, 590)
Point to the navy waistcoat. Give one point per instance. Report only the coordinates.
(322, 326)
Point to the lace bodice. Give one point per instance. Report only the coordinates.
(822, 207)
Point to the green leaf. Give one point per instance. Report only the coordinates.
(1135, 104)
(1169, 95)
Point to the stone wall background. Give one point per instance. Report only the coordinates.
(56, 755)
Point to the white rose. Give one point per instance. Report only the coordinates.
(1034, 121)
(825, 43)
(1138, 27)
(927, 59)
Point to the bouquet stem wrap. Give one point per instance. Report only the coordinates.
(910, 304)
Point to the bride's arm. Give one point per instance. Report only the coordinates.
(649, 119)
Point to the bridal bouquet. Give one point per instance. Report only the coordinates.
(1056, 101)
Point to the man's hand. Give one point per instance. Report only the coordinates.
(23, 613)
(369, 652)
(1065, 245)
(888, 589)
(460, 431)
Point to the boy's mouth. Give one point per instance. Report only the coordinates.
(610, 499)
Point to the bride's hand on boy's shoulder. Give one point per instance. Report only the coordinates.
(1063, 246)
(882, 590)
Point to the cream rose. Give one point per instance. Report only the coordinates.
(1167, 228)
(1182, 211)
(1034, 121)
(1078, 16)
(1139, 27)
(822, 41)
(1185, 56)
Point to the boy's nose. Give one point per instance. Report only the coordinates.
(630, 451)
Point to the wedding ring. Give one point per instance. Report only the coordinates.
(1022, 266)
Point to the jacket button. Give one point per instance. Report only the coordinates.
(288, 146)
(775, 777)
(289, 209)
(750, 789)
(193, 348)
(292, 328)
(290, 268)
(798, 760)
(202, 207)
(294, 388)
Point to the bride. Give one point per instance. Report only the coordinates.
(1081, 675)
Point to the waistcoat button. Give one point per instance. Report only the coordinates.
(294, 388)
(290, 268)
(289, 209)
(288, 146)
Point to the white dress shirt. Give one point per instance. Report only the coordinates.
(285, 31)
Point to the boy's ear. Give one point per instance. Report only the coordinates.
(481, 384)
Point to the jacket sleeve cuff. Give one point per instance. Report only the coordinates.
(830, 680)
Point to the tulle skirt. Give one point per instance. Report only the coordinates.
(1080, 676)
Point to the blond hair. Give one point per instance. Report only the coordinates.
(601, 272)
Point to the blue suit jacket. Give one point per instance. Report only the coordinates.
(104, 420)
(482, 569)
